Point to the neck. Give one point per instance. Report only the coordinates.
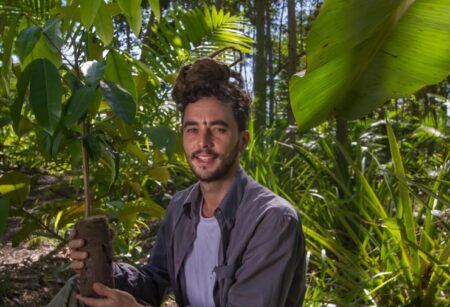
(214, 192)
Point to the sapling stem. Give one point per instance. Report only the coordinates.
(87, 198)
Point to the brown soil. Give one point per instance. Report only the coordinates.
(31, 275)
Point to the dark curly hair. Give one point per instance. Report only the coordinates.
(207, 77)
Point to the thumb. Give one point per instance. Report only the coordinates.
(102, 290)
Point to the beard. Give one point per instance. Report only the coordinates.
(221, 171)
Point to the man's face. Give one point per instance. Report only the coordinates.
(211, 139)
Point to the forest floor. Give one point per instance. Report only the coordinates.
(33, 272)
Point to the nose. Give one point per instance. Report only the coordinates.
(206, 138)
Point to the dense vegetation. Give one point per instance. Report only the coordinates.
(364, 155)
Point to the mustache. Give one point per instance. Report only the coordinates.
(206, 151)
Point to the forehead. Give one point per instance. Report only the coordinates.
(209, 109)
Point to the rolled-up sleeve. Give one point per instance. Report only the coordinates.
(272, 272)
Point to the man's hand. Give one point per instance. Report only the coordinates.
(78, 257)
(112, 298)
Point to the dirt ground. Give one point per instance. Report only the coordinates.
(31, 275)
(33, 272)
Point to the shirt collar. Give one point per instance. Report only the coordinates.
(227, 208)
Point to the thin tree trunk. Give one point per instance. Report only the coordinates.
(292, 52)
(260, 72)
(271, 80)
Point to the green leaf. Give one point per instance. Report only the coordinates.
(160, 173)
(94, 147)
(134, 149)
(382, 50)
(15, 186)
(74, 151)
(21, 87)
(53, 35)
(93, 71)
(146, 206)
(40, 51)
(119, 100)
(49, 144)
(94, 48)
(78, 105)
(68, 14)
(119, 71)
(88, 11)
(111, 165)
(132, 12)
(103, 25)
(45, 94)
(4, 214)
(405, 210)
(26, 40)
(24, 233)
(154, 4)
(164, 138)
(95, 105)
(56, 140)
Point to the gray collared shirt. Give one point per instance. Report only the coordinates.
(261, 257)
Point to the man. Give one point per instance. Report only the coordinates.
(226, 240)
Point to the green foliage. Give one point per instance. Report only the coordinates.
(78, 105)
(26, 41)
(88, 11)
(15, 187)
(76, 84)
(385, 242)
(4, 214)
(361, 54)
(45, 94)
(119, 99)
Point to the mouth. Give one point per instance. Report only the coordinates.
(204, 157)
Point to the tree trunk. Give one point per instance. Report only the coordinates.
(98, 266)
(271, 81)
(260, 72)
(292, 51)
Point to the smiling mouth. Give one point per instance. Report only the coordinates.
(204, 157)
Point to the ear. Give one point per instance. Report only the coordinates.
(244, 139)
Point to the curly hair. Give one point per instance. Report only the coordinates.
(207, 77)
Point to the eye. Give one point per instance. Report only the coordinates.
(219, 130)
(190, 130)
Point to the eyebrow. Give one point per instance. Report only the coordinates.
(218, 122)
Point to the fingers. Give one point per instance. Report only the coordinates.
(93, 302)
(77, 265)
(77, 256)
(111, 297)
(103, 290)
(76, 243)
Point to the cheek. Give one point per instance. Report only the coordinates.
(185, 145)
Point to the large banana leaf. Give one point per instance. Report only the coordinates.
(360, 54)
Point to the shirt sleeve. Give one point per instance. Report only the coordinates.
(148, 283)
(272, 272)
